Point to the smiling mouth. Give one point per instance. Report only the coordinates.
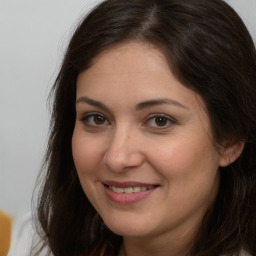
(129, 190)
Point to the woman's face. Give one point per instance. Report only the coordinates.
(142, 145)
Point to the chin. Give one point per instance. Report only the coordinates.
(134, 228)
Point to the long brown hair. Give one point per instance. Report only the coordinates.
(210, 51)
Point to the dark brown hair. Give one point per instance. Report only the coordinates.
(210, 51)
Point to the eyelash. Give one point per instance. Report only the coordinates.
(85, 119)
(167, 121)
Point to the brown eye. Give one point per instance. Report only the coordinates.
(94, 120)
(161, 121)
(99, 119)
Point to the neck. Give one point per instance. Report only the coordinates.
(151, 247)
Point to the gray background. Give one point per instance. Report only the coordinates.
(33, 38)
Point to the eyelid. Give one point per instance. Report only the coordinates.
(91, 114)
(171, 121)
(88, 114)
(162, 115)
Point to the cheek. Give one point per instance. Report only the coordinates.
(86, 153)
(190, 176)
(186, 161)
(175, 157)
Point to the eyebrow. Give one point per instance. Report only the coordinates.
(139, 106)
(93, 103)
(155, 102)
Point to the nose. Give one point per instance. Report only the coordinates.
(123, 152)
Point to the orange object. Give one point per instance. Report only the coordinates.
(5, 233)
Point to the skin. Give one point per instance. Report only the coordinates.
(127, 142)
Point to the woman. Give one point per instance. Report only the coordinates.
(152, 145)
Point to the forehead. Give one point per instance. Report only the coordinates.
(134, 72)
(144, 57)
(132, 67)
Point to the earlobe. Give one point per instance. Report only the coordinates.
(230, 153)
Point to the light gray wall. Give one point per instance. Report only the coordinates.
(33, 37)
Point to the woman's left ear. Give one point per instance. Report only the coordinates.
(231, 151)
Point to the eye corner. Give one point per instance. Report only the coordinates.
(159, 121)
(94, 120)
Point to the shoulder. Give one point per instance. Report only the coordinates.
(244, 253)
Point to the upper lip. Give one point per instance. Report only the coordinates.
(127, 184)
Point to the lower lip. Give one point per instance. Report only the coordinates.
(123, 198)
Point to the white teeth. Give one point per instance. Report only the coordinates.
(117, 190)
(129, 190)
(136, 189)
